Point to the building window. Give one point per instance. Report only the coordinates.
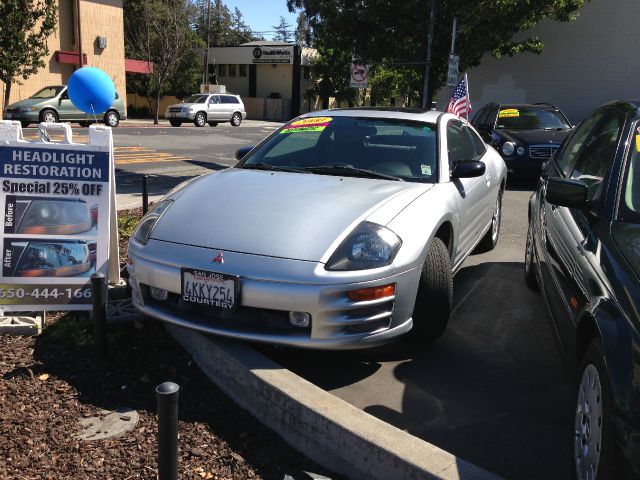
(242, 70)
(306, 73)
(232, 70)
(222, 70)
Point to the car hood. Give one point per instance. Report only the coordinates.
(279, 214)
(28, 102)
(535, 137)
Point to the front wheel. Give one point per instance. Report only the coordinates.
(435, 295)
(529, 267)
(593, 446)
(200, 120)
(49, 116)
(236, 119)
(490, 239)
(112, 119)
(175, 123)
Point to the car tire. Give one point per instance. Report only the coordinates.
(236, 119)
(200, 120)
(529, 268)
(213, 124)
(490, 239)
(593, 427)
(25, 124)
(435, 295)
(175, 123)
(112, 119)
(49, 116)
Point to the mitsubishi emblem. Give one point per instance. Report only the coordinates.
(218, 258)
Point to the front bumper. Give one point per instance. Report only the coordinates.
(182, 116)
(270, 288)
(31, 117)
(524, 166)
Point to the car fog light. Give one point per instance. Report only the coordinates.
(520, 151)
(299, 319)
(158, 293)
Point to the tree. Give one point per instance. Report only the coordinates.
(228, 29)
(283, 31)
(24, 30)
(158, 32)
(303, 30)
(395, 33)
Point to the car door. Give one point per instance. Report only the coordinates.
(571, 240)
(66, 109)
(228, 104)
(471, 192)
(216, 108)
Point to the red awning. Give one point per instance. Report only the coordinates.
(137, 66)
(69, 57)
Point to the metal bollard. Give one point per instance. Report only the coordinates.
(167, 397)
(145, 194)
(99, 295)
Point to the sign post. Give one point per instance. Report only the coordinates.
(57, 208)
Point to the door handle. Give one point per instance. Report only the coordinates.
(488, 180)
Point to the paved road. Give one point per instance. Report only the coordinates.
(492, 390)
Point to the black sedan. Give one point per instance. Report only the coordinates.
(583, 253)
(526, 135)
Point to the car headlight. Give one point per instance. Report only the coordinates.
(186, 109)
(520, 151)
(28, 109)
(369, 246)
(508, 148)
(145, 227)
(49, 216)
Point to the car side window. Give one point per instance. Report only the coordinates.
(480, 147)
(214, 99)
(596, 157)
(567, 157)
(65, 95)
(459, 143)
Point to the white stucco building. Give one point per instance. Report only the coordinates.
(585, 63)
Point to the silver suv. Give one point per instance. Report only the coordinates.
(211, 108)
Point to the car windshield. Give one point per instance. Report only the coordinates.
(196, 99)
(528, 118)
(351, 146)
(630, 198)
(47, 92)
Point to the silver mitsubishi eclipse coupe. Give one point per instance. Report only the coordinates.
(341, 230)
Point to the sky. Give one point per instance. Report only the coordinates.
(262, 15)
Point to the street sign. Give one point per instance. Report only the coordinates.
(359, 76)
(452, 74)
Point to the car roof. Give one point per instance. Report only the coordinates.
(430, 116)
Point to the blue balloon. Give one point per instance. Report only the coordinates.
(91, 90)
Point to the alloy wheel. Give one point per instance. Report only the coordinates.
(588, 424)
(49, 117)
(495, 224)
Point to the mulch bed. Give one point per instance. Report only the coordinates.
(49, 382)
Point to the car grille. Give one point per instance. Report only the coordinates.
(12, 110)
(542, 152)
(175, 109)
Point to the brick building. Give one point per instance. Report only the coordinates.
(89, 32)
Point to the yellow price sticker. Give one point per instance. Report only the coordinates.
(310, 121)
(638, 143)
(509, 112)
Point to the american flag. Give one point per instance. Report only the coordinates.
(460, 103)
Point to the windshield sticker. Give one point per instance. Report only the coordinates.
(425, 169)
(509, 112)
(638, 143)
(314, 124)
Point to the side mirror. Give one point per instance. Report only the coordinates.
(467, 169)
(566, 192)
(242, 152)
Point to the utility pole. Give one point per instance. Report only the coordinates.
(205, 76)
(425, 91)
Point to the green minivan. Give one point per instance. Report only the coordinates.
(52, 104)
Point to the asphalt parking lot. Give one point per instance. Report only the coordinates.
(492, 390)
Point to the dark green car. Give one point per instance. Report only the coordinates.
(52, 104)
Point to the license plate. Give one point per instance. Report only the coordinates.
(209, 288)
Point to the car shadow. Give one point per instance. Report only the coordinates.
(492, 389)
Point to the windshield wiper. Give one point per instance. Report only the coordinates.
(273, 168)
(350, 171)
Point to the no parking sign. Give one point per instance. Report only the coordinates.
(359, 76)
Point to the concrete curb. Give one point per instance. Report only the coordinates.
(327, 429)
